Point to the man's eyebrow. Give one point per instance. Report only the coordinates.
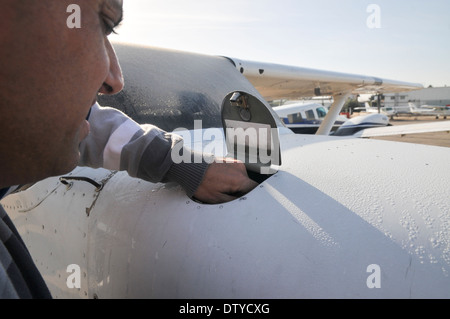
(117, 6)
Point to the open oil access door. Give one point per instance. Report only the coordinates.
(251, 133)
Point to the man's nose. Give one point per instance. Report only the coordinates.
(114, 80)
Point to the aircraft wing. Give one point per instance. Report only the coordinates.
(437, 107)
(443, 126)
(275, 81)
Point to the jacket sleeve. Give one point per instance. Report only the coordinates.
(117, 142)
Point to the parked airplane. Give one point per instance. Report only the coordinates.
(305, 118)
(438, 110)
(389, 111)
(336, 217)
(362, 122)
(411, 109)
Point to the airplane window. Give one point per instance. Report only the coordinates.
(290, 118)
(310, 115)
(321, 112)
(294, 118)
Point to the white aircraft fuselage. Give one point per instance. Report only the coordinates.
(342, 217)
(312, 230)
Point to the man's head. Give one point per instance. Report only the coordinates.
(50, 75)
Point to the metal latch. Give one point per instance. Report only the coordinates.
(240, 101)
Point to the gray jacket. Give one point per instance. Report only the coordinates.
(116, 142)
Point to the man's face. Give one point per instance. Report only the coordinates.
(50, 75)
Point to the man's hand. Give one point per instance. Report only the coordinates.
(224, 181)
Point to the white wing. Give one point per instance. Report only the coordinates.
(443, 126)
(276, 81)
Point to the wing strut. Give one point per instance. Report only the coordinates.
(333, 113)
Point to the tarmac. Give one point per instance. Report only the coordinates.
(435, 138)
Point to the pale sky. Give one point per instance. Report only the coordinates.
(397, 39)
